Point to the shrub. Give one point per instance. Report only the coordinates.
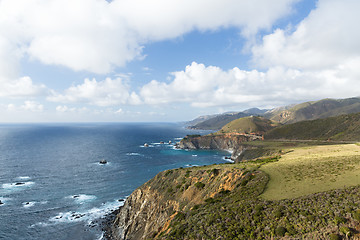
(280, 231)
(339, 219)
(169, 172)
(356, 215)
(278, 213)
(199, 185)
(345, 230)
(334, 236)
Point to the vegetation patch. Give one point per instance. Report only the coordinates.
(313, 169)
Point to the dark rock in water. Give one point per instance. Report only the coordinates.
(103, 161)
(161, 142)
(121, 200)
(169, 142)
(146, 145)
(19, 183)
(27, 203)
(227, 157)
(1, 202)
(76, 196)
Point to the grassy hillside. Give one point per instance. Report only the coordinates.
(314, 110)
(256, 209)
(340, 128)
(307, 170)
(249, 125)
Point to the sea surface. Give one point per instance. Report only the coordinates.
(52, 185)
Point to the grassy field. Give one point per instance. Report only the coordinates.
(313, 169)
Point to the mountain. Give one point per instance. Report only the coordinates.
(251, 124)
(216, 122)
(200, 119)
(314, 110)
(340, 128)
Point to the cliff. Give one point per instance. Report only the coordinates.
(149, 210)
(228, 142)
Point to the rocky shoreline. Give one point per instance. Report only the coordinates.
(107, 223)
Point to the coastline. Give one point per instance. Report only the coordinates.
(107, 222)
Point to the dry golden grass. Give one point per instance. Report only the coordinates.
(313, 169)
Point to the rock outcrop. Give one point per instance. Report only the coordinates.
(149, 210)
(236, 144)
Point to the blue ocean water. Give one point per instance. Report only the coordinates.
(53, 187)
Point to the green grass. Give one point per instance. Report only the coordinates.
(313, 169)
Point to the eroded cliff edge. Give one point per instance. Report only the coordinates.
(149, 210)
(241, 146)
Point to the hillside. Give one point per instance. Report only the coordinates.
(216, 122)
(258, 125)
(340, 128)
(237, 201)
(314, 110)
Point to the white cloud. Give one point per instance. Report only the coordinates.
(95, 35)
(32, 106)
(22, 87)
(211, 86)
(327, 38)
(108, 92)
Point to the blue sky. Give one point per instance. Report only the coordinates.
(160, 60)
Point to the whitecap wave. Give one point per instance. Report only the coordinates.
(28, 204)
(4, 200)
(194, 155)
(228, 160)
(191, 165)
(87, 216)
(134, 154)
(31, 204)
(23, 178)
(82, 198)
(17, 185)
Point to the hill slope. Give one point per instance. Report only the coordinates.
(341, 128)
(250, 124)
(216, 122)
(314, 110)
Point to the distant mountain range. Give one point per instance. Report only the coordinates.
(217, 121)
(314, 110)
(285, 115)
(340, 128)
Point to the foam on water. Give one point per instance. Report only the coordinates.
(88, 215)
(16, 185)
(4, 200)
(228, 160)
(82, 198)
(191, 165)
(23, 178)
(134, 154)
(28, 204)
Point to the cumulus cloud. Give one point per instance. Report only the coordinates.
(21, 87)
(211, 86)
(108, 92)
(97, 35)
(327, 38)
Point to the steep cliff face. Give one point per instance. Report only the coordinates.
(149, 210)
(236, 144)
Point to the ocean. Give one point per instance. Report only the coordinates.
(52, 185)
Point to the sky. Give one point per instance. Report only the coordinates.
(172, 60)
